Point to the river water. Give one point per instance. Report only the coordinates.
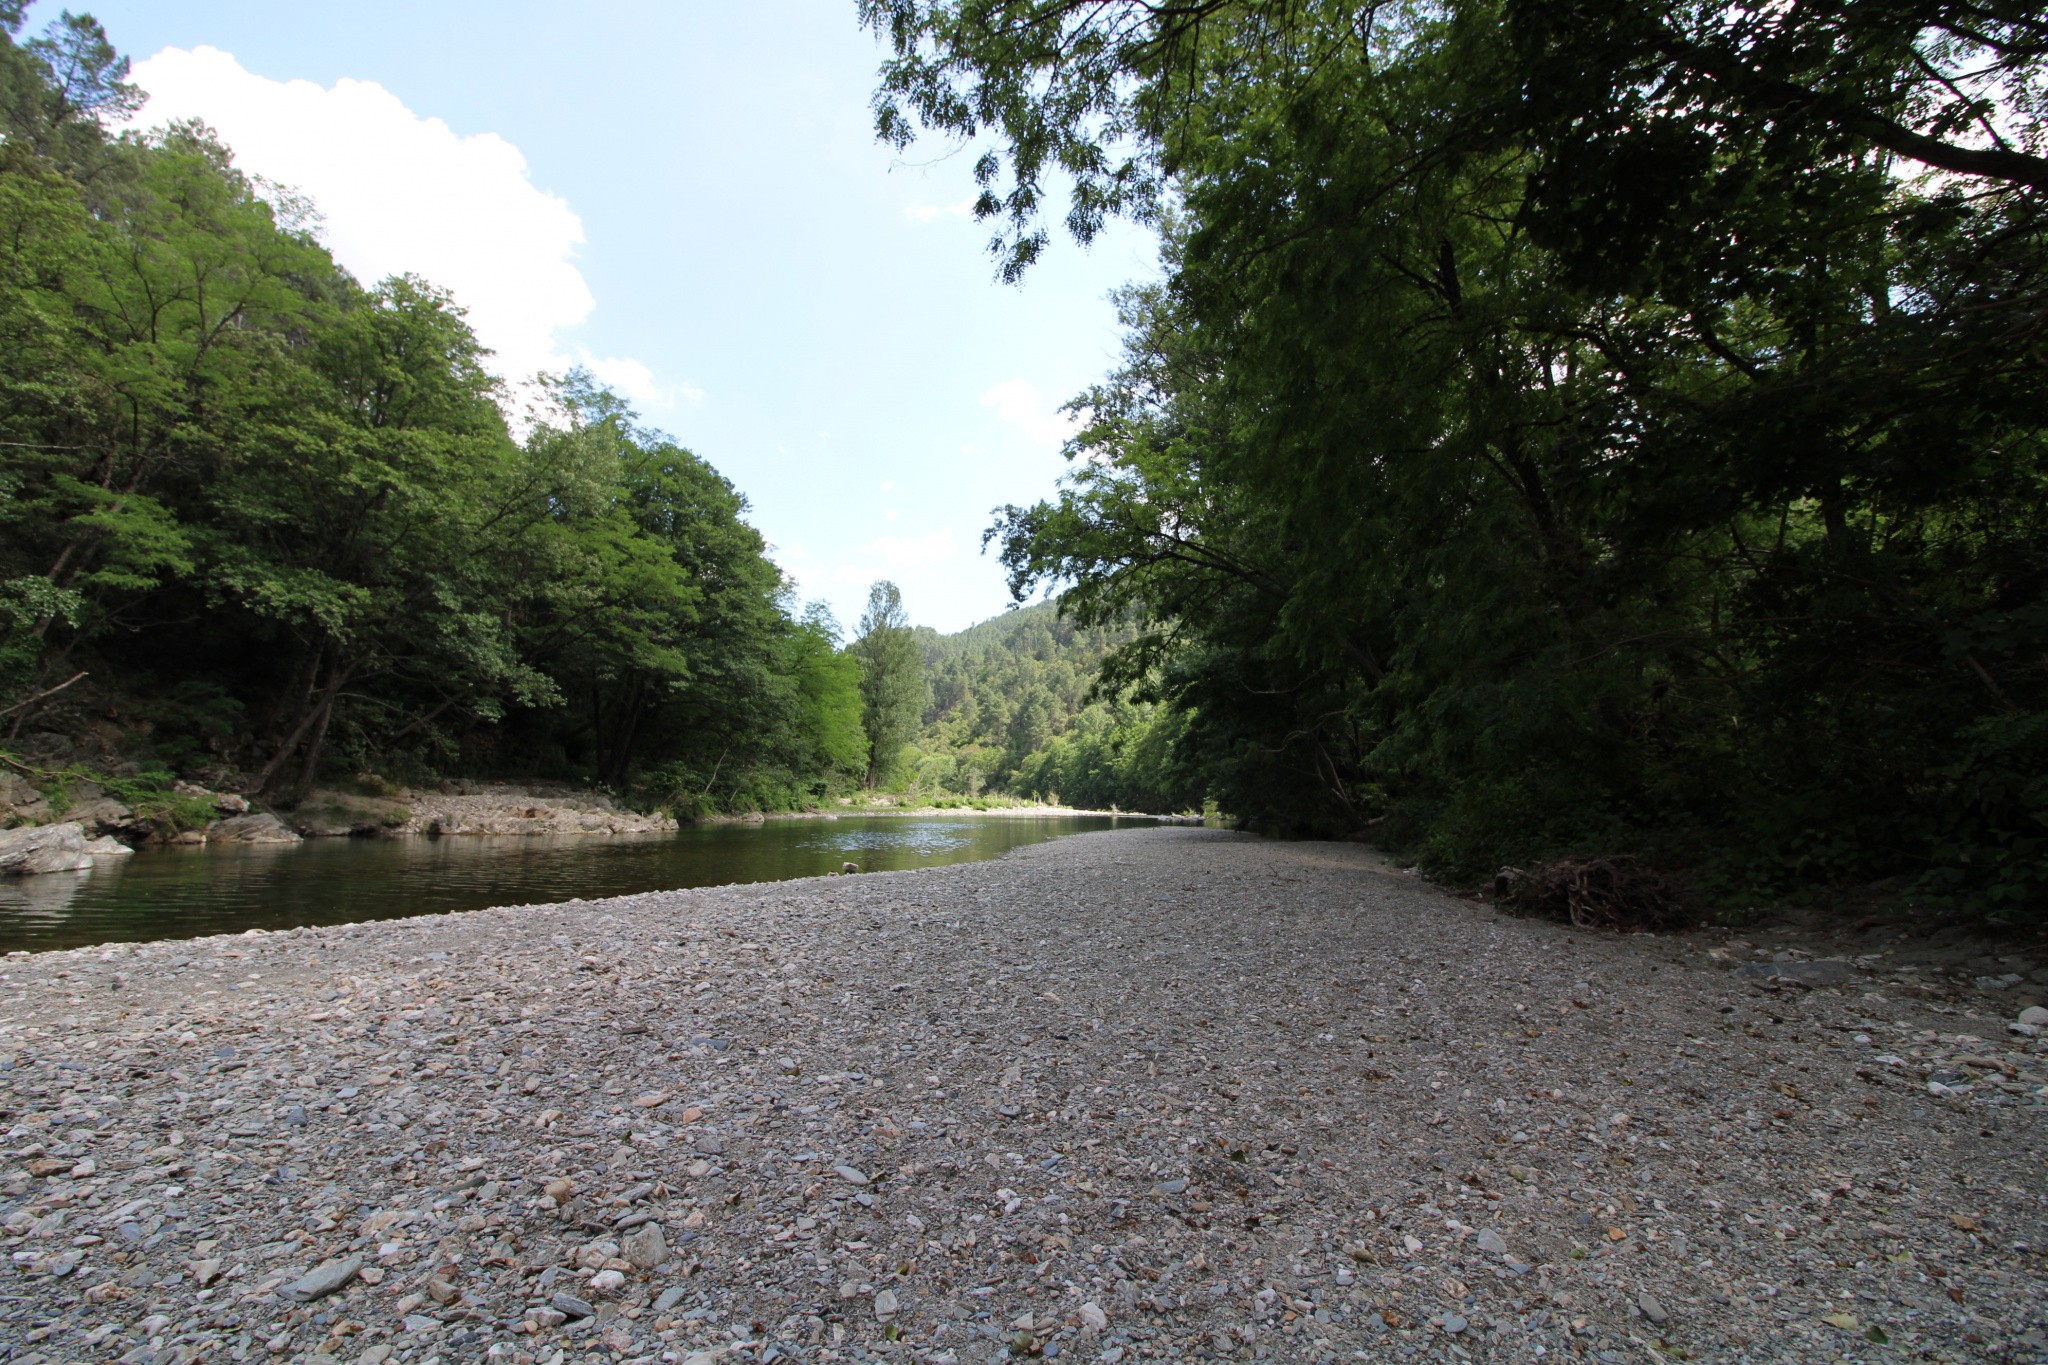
(184, 892)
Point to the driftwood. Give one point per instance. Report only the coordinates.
(1615, 893)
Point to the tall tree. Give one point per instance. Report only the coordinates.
(256, 516)
(892, 686)
(1572, 425)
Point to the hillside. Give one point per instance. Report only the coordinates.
(1010, 714)
(275, 531)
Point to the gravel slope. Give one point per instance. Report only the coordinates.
(1161, 1094)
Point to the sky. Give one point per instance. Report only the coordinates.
(686, 198)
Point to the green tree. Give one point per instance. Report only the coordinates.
(1596, 425)
(892, 686)
(259, 518)
(829, 681)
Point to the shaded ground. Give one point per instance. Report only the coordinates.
(1162, 1094)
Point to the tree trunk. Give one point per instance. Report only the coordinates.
(297, 697)
(620, 756)
(309, 715)
(319, 739)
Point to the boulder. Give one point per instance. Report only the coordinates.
(43, 849)
(517, 812)
(20, 802)
(104, 815)
(328, 814)
(107, 846)
(227, 803)
(250, 829)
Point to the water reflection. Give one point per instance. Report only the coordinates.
(46, 897)
(183, 892)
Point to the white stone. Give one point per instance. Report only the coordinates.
(645, 1247)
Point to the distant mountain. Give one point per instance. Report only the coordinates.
(1010, 714)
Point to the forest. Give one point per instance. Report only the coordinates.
(267, 525)
(1555, 428)
(1560, 426)
(1014, 710)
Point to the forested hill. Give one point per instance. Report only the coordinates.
(268, 525)
(1010, 713)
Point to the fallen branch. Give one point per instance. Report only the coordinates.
(1615, 893)
(35, 697)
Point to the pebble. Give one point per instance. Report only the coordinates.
(324, 1279)
(1811, 972)
(645, 1247)
(1143, 1096)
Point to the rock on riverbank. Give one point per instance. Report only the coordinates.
(493, 810)
(1161, 1094)
(53, 848)
(98, 826)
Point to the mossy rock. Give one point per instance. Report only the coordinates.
(333, 814)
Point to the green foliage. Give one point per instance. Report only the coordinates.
(1015, 711)
(280, 524)
(1563, 427)
(892, 683)
(828, 681)
(150, 793)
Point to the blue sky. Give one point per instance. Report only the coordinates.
(687, 197)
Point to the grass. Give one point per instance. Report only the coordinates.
(149, 793)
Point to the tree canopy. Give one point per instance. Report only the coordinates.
(1561, 425)
(260, 518)
(892, 686)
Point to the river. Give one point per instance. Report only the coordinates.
(185, 892)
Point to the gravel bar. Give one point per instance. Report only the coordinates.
(1164, 1094)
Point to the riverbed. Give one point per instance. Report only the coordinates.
(188, 892)
(1159, 1096)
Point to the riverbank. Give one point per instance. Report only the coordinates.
(88, 812)
(1158, 1094)
(1013, 812)
(196, 815)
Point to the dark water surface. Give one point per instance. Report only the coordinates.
(184, 892)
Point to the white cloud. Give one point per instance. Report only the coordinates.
(928, 213)
(906, 560)
(901, 553)
(635, 382)
(1017, 403)
(398, 193)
